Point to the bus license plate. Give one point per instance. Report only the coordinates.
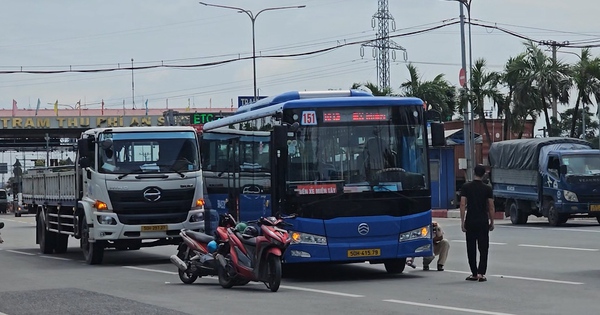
(154, 228)
(364, 252)
(594, 207)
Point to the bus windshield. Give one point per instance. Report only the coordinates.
(139, 152)
(386, 157)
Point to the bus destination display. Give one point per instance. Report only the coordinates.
(353, 116)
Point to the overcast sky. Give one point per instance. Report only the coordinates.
(93, 34)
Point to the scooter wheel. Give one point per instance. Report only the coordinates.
(185, 276)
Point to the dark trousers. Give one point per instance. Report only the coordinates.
(478, 237)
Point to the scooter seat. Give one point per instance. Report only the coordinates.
(246, 239)
(200, 237)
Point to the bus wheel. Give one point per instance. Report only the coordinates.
(395, 266)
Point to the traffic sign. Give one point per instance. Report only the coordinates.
(462, 77)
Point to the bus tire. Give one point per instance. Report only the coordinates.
(395, 266)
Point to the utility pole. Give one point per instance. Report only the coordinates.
(132, 87)
(464, 99)
(382, 44)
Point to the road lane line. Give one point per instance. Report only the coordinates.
(3, 313)
(560, 247)
(18, 252)
(577, 230)
(519, 227)
(57, 258)
(17, 221)
(283, 286)
(520, 278)
(538, 279)
(152, 270)
(322, 291)
(463, 241)
(449, 308)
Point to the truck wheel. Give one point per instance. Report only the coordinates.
(395, 266)
(46, 239)
(555, 218)
(517, 216)
(92, 252)
(598, 219)
(62, 243)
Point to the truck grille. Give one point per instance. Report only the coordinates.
(595, 198)
(132, 208)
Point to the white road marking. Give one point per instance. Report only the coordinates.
(521, 278)
(322, 291)
(57, 258)
(18, 252)
(577, 230)
(538, 279)
(463, 241)
(17, 221)
(151, 270)
(450, 308)
(559, 247)
(283, 286)
(3, 313)
(519, 227)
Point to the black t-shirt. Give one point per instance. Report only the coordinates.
(477, 194)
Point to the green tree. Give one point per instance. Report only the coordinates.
(438, 93)
(484, 85)
(545, 78)
(568, 116)
(586, 78)
(373, 88)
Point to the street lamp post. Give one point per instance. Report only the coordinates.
(253, 17)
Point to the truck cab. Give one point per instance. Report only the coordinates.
(573, 176)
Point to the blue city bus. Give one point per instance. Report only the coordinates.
(352, 168)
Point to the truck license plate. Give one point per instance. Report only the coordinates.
(154, 228)
(364, 252)
(594, 207)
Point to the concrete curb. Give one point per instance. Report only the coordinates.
(455, 213)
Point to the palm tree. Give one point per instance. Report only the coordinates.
(438, 93)
(373, 88)
(484, 84)
(586, 77)
(545, 78)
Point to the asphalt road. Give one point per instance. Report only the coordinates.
(534, 269)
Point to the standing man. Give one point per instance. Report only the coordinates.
(478, 201)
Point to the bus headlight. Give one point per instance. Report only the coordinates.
(422, 232)
(305, 238)
(570, 196)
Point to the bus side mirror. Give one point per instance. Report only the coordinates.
(280, 137)
(437, 134)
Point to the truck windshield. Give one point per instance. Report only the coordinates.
(579, 165)
(140, 152)
(387, 157)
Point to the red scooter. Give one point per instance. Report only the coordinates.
(254, 255)
(195, 252)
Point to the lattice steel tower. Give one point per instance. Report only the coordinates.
(382, 44)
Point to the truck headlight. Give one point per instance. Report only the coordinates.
(306, 238)
(422, 232)
(570, 196)
(106, 220)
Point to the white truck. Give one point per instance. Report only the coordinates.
(131, 187)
